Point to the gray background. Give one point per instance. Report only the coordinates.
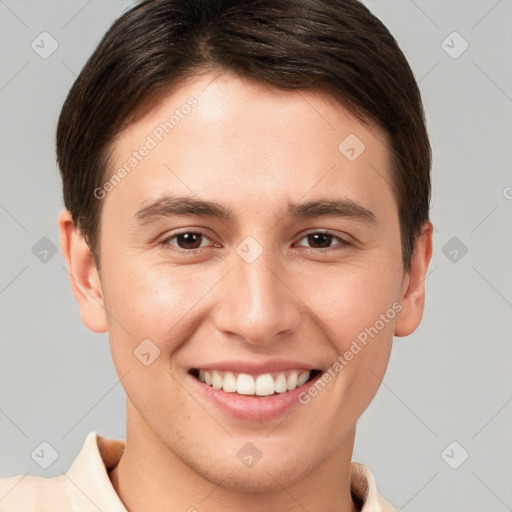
(451, 381)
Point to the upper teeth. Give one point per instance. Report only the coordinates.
(261, 385)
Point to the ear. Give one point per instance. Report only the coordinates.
(413, 289)
(84, 277)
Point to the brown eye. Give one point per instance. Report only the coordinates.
(320, 239)
(323, 240)
(187, 240)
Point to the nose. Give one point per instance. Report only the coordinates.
(256, 302)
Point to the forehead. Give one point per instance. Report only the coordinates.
(232, 139)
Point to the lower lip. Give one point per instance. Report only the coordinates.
(253, 408)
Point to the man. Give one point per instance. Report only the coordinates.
(247, 192)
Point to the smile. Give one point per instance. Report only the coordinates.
(264, 384)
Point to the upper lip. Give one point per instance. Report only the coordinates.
(254, 368)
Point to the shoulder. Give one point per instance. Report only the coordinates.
(85, 487)
(31, 493)
(364, 490)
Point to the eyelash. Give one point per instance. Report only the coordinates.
(343, 244)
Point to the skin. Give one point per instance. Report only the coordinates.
(251, 148)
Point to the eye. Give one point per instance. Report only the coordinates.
(186, 240)
(324, 239)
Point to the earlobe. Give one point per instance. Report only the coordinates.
(83, 275)
(413, 290)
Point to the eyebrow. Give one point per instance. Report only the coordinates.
(169, 205)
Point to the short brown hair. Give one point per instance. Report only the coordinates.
(336, 46)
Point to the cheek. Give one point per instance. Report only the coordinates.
(144, 312)
(153, 299)
(351, 299)
(357, 308)
(147, 324)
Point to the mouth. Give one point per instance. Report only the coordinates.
(255, 385)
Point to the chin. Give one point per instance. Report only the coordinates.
(268, 475)
(262, 479)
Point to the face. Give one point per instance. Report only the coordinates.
(256, 234)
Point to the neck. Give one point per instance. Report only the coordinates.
(150, 477)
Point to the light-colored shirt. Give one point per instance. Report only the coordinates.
(86, 486)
